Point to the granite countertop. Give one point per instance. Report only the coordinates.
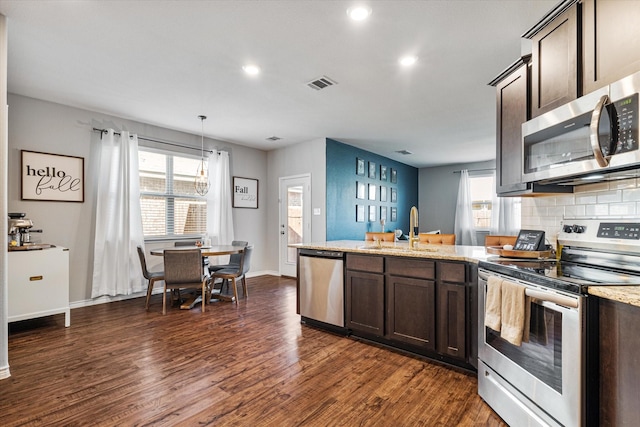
(625, 294)
(473, 254)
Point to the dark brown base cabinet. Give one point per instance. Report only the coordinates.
(365, 302)
(410, 311)
(411, 292)
(418, 305)
(619, 347)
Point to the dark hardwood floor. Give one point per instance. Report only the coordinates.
(251, 364)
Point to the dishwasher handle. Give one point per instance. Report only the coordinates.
(317, 253)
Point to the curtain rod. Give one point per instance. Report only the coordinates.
(477, 170)
(175, 144)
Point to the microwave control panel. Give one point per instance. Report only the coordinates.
(627, 122)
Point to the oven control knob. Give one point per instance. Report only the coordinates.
(567, 229)
(578, 228)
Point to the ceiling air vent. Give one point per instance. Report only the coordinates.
(321, 83)
(274, 138)
(404, 152)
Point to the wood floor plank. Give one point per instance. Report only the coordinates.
(245, 364)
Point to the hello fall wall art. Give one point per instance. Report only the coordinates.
(52, 177)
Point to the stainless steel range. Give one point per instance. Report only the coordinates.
(550, 379)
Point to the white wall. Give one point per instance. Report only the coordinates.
(4, 310)
(53, 128)
(307, 157)
(619, 199)
(438, 194)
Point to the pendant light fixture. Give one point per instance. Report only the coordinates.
(202, 174)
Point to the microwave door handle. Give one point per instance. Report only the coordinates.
(593, 132)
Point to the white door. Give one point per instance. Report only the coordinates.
(295, 219)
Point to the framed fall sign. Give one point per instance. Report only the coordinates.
(51, 177)
(245, 192)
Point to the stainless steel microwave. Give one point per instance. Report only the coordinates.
(591, 137)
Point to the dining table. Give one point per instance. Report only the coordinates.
(207, 251)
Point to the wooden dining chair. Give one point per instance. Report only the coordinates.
(495, 240)
(183, 270)
(151, 276)
(383, 237)
(237, 273)
(437, 239)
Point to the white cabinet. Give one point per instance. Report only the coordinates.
(39, 284)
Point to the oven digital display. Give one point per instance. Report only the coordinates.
(614, 230)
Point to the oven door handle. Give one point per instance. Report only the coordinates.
(542, 295)
(552, 297)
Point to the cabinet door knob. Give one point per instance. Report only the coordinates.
(34, 278)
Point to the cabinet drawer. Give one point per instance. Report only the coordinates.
(38, 282)
(372, 264)
(453, 272)
(411, 267)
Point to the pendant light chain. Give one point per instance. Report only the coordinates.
(202, 183)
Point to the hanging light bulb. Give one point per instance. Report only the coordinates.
(202, 174)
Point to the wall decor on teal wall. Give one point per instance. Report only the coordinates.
(359, 167)
(393, 201)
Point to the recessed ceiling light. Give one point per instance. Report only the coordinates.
(251, 69)
(359, 13)
(407, 61)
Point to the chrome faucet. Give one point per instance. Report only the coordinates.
(413, 227)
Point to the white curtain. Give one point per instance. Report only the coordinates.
(219, 213)
(465, 232)
(116, 266)
(505, 215)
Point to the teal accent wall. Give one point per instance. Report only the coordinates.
(341, 189)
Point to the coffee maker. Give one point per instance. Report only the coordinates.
(20, 229)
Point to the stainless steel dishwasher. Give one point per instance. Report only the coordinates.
(321, 287)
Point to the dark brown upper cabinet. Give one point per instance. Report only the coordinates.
(554, 62)
(611, 41)
(512, 102)
(511, 113)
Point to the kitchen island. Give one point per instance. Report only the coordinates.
(472, 254)
(422, 299)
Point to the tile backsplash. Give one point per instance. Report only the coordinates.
(613, 199)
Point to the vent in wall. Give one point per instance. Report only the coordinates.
(273, 138)
(321, 83)
(405, 152)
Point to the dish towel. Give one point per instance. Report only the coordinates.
(493, 308)
(513, 312)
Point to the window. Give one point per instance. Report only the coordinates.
(168, 200)
(482, 194)
(482, 190)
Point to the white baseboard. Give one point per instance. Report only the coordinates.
(107, 299)
(4, 373)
